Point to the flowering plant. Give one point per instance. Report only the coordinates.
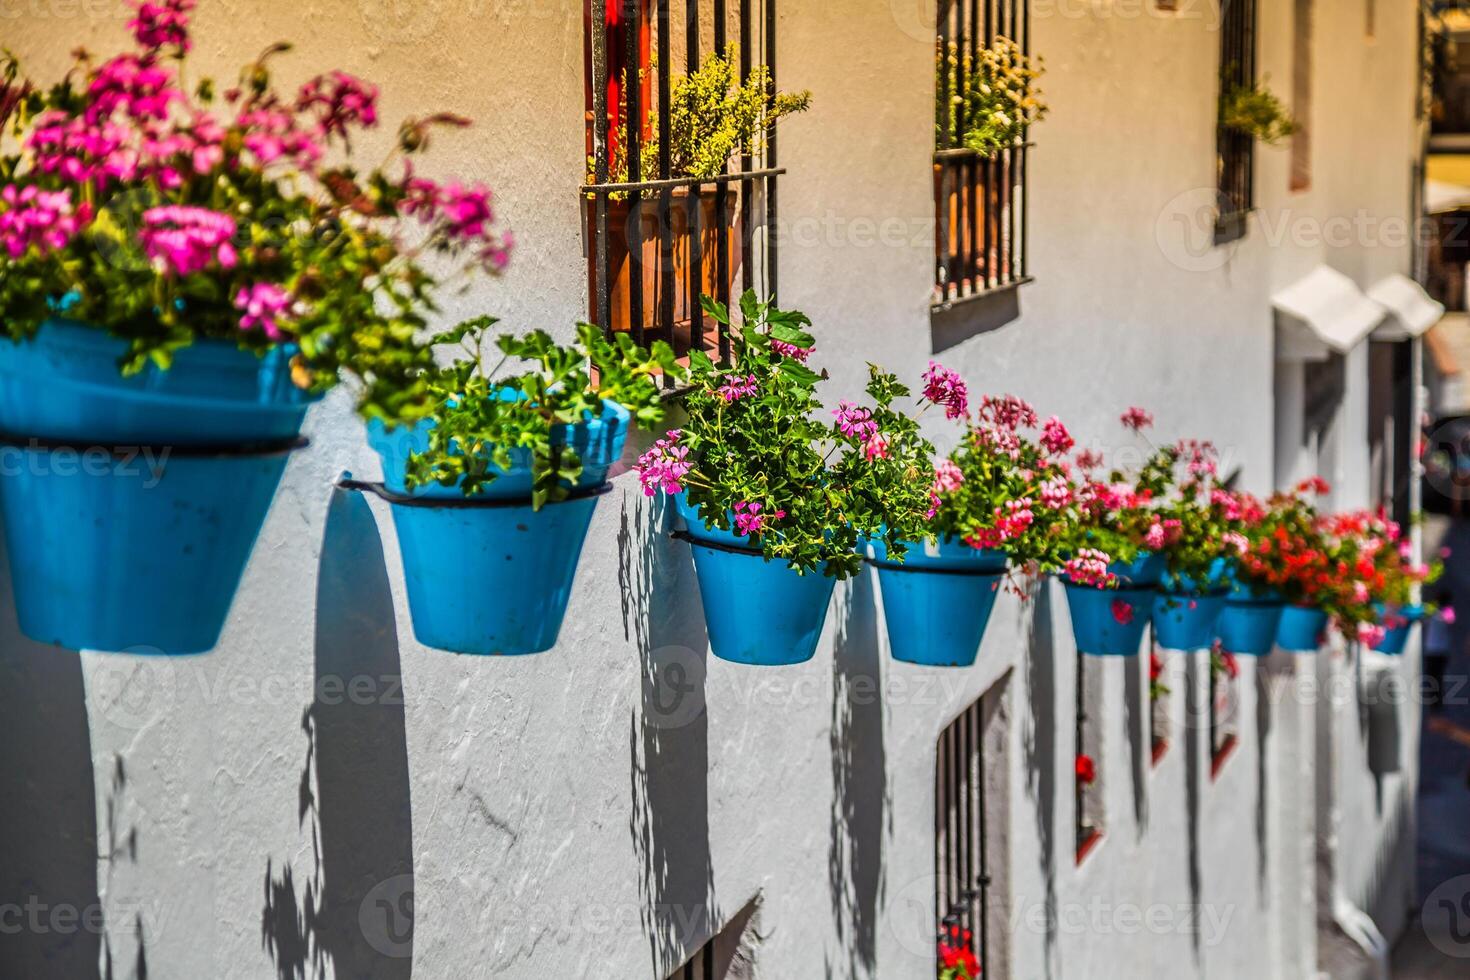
(1119, 514)
(1256, 111)
(1086, 770)
(998, 90)
(1156, 686)
(1370, 565)
(165, 214)
(1197, 525)
(957, 959)
(1002, 487)
(1282, 549)
(753, 456)
(480, 419)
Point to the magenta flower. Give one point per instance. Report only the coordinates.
(749, 519)
(1056, 493)
(855, 422)
(1090, 567)
(736, 388)
(791, 350)
(141, 88)
(185, 240)
(1055, 438)
(1137, 419)
(1087, 459)
(946, 388)
(1371, 634)
(341, 100)
(663, 468)
(876, 448)
(44, 219)
(162, 25)
(1447, 615)
(1015, 519)
(1008, 412)
(1000, 440)
(948, 476)
(262, 305)
(271, 134)
(1122, 611)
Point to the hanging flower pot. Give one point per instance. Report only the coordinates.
(1185, 620)
(132, 503)
(489, 574)
(1248, 624)
(1396, 627)
(1109, 622)
(938, 602)
(1144, 572)
(757, 612)
(1302, 629)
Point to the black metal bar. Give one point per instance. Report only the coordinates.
(633, 88)
(747, 270)
(665, 327)
(771, 160)
(984, 877)
(601, 256)
(655, 185)
(695, 200)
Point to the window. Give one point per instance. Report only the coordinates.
(658, 237)
(1224, 702)
(729, 954)
(1236, 150)
(1089, 755)
(1301, 98)
(1158, 706)
(967, 860)
(980, 238)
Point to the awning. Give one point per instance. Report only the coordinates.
(1410, 310)
(1442, 196)
(1321, 313)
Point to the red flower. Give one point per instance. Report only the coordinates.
(1155, 666)
(1086, 770)
(1231, 667)
(1123, 611)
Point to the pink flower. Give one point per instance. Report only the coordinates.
(271, 134)
(263, 304)
(46, 220)
(1090, 567)
(1122, 611)
(948, 476)
(1089, 460)
(945, 387)
(663, 468)
(465, 216)
(1371, 634)
(1155, 538)
(1055, 438)
(1137, 419)
(185, 240)
(1000, 440)
(855, 422)
(876, 448)
(1056, 493)
(736, 388)
(1008, 412)
(1015, 519)
(1236, 540)
(1360, 592)
(142, 89)
(162, 25)
(1447, 615)
(791, 350)
(341, 100)
(749, 519)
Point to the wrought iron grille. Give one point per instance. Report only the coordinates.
(1235, 150)
(701, 967)
(980, 239)
(959, 830)
(658, 240)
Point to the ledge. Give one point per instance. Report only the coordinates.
(954, 321)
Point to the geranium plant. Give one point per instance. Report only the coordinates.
(1120, 513)
(1282, 550)
(957, 959)
(163, 213)
(481, 418)
(756, 456)
(998, 92)
(1371, 575)
(1007, 485)
(1256, 111)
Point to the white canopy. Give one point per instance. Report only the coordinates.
(1322, 312)
(1410, 310)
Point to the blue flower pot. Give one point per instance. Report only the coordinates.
(1301, 629)
(1109, 622)
(1144, 572)
(938, 602)
(1396, 636)
(1183, 621)
(117, 550)
(757, 612)
(494, 581)
(1248, 628)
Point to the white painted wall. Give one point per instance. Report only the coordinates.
(567, 814)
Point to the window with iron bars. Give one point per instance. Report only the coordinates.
(658, 239)
(1235, 150)
(700, 967)
(960, 860)
(981, 231)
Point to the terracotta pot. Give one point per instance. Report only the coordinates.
(620, 233)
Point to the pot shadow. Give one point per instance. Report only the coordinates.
(1196, 713)
(48, 821)
(1265, 672)
(1133, 697)
(668, 735)
(859, 778)
(1039, 743)
(355, 918)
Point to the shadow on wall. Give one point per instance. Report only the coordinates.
(355, 918)
(48, 817)
(1196, 717)
(1136, 712)
(972, 317)
(668, 735)
(859, 779)
(1039, 742)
